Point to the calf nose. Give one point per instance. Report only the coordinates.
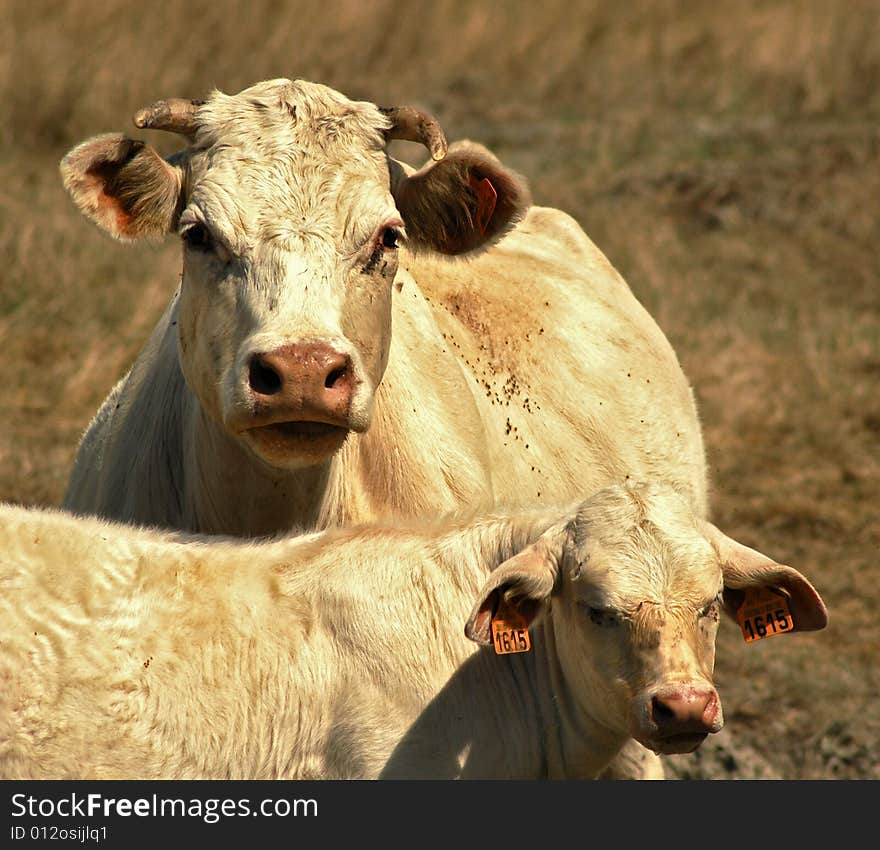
(685, 710)
(302, 381)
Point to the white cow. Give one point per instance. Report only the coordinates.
(274, 394)
(127, 653)
(327, 360)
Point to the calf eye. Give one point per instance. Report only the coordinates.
(602, 616)
(390, 235)
(197, 237)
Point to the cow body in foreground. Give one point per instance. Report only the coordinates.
(354, 341)
(128, 653)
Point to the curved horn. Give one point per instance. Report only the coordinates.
(176, 114)
(413, 125)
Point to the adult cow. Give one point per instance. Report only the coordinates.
(127, 653)
(353, 340)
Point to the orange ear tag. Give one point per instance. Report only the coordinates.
(510, 632)
(764, 613)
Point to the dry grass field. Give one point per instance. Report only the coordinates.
(725, 157)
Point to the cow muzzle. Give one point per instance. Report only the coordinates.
(678, 718)
(300, 401)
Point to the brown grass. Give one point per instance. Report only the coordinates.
(728, 163)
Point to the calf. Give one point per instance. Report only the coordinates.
(368, 652)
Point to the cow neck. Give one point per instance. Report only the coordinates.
(231, 492)
(513, 727)
(425, 451)
(565, 741)
(524, 721)
(495, 717)
(487, 722)
(481, 723)
(576, 744)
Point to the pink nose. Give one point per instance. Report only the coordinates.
(302, 382)
(685, 710)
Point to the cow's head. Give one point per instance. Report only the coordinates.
(633, 590)
(292, 216)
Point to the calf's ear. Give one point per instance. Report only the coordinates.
(523, 583)
(124, 186)
(745, 568)
(461, 204)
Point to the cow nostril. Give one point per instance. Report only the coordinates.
(263, 379)
(334, 376)
(661, 711)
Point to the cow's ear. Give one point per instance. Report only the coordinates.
(745, 568)
(461, 204)
(523, 584)
(124, 186)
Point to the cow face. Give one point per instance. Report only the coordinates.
(633, 590)
(290, 246)
(292, 219)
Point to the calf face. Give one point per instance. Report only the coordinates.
(291, 215)
(632, 591)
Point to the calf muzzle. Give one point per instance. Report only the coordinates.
(679, 718)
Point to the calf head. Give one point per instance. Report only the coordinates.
(292, 215)
(632, 590)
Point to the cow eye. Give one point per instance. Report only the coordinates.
(197, 237)
(390, 235)
(710, 610)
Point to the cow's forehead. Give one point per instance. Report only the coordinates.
(645, 544)
(289, 151)
(278, 116)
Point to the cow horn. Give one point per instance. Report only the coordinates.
(176, 114)
(413, 125)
